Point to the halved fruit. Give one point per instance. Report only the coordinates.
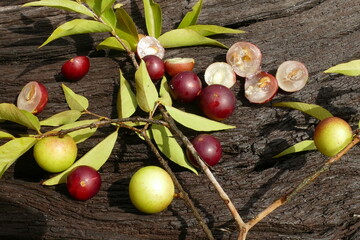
(220, 73)
(33, 97)
(245, 58)
(261, 87)
(174, 66)
(292, 76)
(150, 46)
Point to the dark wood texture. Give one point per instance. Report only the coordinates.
(320, 33)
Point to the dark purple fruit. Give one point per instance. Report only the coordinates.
(185, 86)
(217, 102)
(155, 67)
(208, 148)
(83, 182)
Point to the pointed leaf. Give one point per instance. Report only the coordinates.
(11, 113)
(112, 43)
(306, 145)
(153, 18)
(61, 118)
(191, 17)
(77, 26)
(67, 5)
(165, 97)
(196, 122)
(126, 100)
(209, 30)
(311, 109)
(95, 158)
(75, 101)
(351, 68)
(146, 93)
(170, 147)
(82, 134)
(12, 150)
(100, 7)
(6, 135)
(186, 37)
(126, 28)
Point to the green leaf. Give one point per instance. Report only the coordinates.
(95, 158)
(170, 147)
(67, 5)
(196, 122)
(126, 100)
(12, 150)
(11, 113)
(209, 30)
(165, 97)
(191, 17)
(82, 134)
(311, 109)
(306, 145)
(351, 68)
(146, 93)
(153, 18)
(112, 43)
(77, 26)
(126, 28)
(61, 118)
(99, 7)
(75, 101)
(185, 38)
(6, 135)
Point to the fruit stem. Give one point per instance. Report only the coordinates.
(286, 198)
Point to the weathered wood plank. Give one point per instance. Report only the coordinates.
(318, 33)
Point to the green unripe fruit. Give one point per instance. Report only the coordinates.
(151, 189)
(332, 135)
(55, 154)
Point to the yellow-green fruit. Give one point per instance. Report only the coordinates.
(332, 135)
(55, 154)
(151, 189)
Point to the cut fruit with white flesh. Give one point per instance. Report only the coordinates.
(292, 76)
(245, 58)
(220, 73)
(33, 97)
(174, 66)
(261, 88)
(150, 46)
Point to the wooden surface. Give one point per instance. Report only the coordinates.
(319, 33)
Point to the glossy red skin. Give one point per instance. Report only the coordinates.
(44, 99)
(217, 102)
(173, 68)
(185, 86)
(155, 67)
(76, 68)
(83, 182)
(208, 148)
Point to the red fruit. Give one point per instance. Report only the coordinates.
(155, 67)
(292, 76)
(83, 182)
(33, 97)
(208, 148)
(185, 86)
(261, 87)
(76, 68)
(217, 102)
(150, 46)
(174, 66)
(245, 58)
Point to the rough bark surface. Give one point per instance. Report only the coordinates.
(320, 33)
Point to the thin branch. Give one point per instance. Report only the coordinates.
(174, 130)
(281, 201)
(184, 194)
